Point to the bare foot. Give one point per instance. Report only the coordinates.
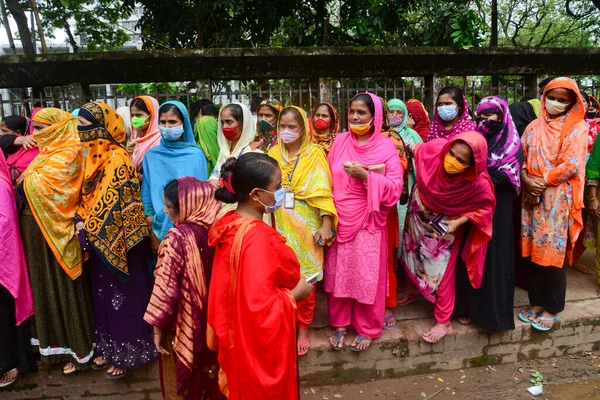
(598, 291)
(114, 371)
(101, 361)
(437, 333)
(302, 336)
(465, 320)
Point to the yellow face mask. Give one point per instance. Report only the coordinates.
(453, 166)
(361, 129)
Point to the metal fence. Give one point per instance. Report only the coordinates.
(304, 93)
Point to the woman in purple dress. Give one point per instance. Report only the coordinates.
(112, 229)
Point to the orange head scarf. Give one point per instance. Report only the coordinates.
(552, 152)
(52, 185)
(110, 207)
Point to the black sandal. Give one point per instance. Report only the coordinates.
(115, 377)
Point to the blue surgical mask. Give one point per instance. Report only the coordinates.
(279, 196)
(447, 113)
(171, 134)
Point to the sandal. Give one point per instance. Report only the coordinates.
(464, 320)
(13, 380)
(115, 377)
(386, 319)
(542, 328)
(433, 330)
(301, 343)
(74, 371)
(530, 315)
(99, 367)
(408, 299)
(581, 268)
(338, 337)
(359, 340)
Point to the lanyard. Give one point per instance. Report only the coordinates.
(241, 151)
(290, 176)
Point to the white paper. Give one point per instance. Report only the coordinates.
(536, 390)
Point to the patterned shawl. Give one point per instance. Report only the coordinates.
(110, 206)
(463, 124)
(152, 137)
(505, 154)
(179, 298)
(52, 185)
(326, 140)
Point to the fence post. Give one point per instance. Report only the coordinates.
(433, 85)
(531, 88)
(77, 94)
(325, 95)
(204, 89)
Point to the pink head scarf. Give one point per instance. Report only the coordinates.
(152, 137)
(18, 161)
(14, 275)
(361, 205)
(463, 124)
(470, 194)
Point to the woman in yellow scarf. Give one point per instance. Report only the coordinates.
(307, 218)
(51, 187)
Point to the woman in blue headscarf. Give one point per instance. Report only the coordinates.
(177, 155)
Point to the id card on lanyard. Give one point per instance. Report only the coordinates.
(289, 201)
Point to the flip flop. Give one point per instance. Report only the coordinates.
(544, 329)
(581, 268)
(463, 321)
(302, 343)
(406, 300)
(5, 384)
(433, 330)
(74, 372)
(115, 377)
(530, 315)
(386, 319)
(359, 340)
(338, 336)
(99, 367)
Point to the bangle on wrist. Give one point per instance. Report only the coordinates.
(592, 198)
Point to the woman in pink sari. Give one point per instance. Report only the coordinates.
(367, 182)
(453, 198)
(16, 302)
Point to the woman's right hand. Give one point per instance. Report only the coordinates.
(158, 335)
(302, 290)
(28, 142)
(594, 206)
(154, 242)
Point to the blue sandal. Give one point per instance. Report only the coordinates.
(338, 336)
(386, 319)
(530, 316)
(544, 329)
(359, 340)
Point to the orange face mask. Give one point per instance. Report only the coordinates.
(453, 166)
(361, 129)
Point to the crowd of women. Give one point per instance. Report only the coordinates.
(146, 233)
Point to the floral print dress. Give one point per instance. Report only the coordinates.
(425, 257)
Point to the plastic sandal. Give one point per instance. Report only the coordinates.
(100, 367)
(408, 299)
(359, 340)
(530, 315)
(433, 330)
(301, 343)
(581, 268)
(5, 384)
(338, 336)
(544, 329)
(386, 319)
(115, 377)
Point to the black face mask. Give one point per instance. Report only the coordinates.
(488, 127)
(592, 114)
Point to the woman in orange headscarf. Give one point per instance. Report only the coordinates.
(553, 174)
(51, 187)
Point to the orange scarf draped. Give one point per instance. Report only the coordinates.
(552, 155)
(52, 185)
(110, 207)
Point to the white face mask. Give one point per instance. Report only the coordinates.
(554, 107)
(288, 136)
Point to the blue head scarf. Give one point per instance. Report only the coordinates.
(168, 161)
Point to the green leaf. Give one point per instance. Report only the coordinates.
(65, 3)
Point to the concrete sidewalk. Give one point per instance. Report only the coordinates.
(399, 352)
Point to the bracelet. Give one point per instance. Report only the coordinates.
(592, 198)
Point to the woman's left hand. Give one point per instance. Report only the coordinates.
(355, 170)
(453, 226)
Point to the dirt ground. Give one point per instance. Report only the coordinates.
(568, 378)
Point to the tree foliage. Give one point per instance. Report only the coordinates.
(261, 23)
